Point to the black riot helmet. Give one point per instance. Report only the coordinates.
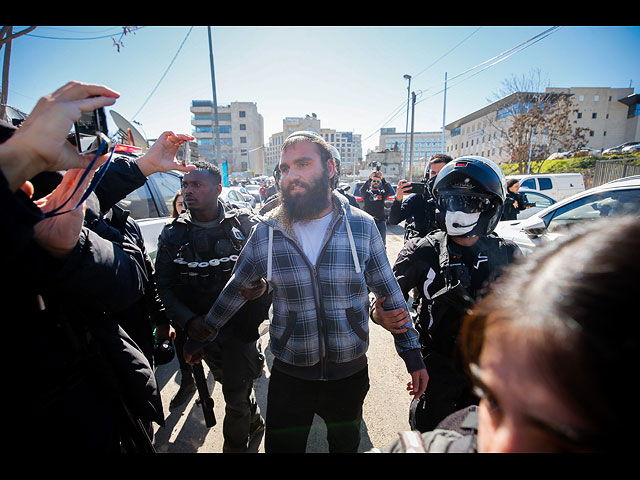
(471, 185)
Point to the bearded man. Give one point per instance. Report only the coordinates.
(321, 258)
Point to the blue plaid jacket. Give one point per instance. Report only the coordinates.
(321, 313)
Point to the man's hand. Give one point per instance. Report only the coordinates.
(199, 331)
(193, 351)
(254, 290)
(40, 144)
(392, 320)
(59, 235)
(165, 332)
(418, 383)
(403, 188)
(161, 157)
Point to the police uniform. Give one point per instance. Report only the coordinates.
(193, 264)
(449, 278)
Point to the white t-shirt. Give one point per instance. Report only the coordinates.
(310, 235)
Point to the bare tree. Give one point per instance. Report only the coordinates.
(533, 123)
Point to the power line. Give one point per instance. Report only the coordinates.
(402, 107)
(75, 38)
(163, 75)
(500, 58)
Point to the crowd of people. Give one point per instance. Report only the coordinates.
(503, 353)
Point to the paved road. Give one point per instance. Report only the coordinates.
(385, 409)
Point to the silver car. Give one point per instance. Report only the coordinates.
(620, 197)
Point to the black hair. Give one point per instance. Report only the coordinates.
(209, 168)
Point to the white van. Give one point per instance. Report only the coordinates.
(555, 185)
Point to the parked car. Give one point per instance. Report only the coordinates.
(555, 185)
(234, 196)
(540, 201)
(150, 205)
(246, 195)
(620, 197)
(253, 190)
(618, 148)
(632, 148)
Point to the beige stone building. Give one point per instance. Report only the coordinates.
(241, 135)
(610, 115)
(348, 144)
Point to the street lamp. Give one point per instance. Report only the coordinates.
(406, 127)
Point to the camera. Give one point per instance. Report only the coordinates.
(90, 130)
(417, 187)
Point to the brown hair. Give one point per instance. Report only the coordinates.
(576, 301)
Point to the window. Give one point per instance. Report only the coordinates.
(140, 203)
(167, 185)
(545, 183)
(242, 114)
(579, 114)
(592, 207)
(594, 115)
(540, 200)
(243, 126)
(529, 183)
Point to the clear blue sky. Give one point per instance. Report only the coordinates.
(351, 77)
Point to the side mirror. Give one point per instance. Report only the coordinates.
(534, 228)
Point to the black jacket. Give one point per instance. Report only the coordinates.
(418, 212)
(449, 279)
(75, 393)
(374, 200)
(184, 298)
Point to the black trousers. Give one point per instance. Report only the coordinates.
(292, 403)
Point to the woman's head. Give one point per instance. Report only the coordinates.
(513, 185)
(554, 344)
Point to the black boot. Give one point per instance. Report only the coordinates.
(187, 387)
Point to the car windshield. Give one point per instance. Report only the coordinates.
(592, 207)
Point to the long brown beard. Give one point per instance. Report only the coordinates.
(307, 206)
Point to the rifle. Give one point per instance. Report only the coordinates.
(205, 399)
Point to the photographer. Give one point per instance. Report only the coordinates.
(515, 201)
(73, 282)
(418, 210)
(374, 191)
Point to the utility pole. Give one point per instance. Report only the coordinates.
(215, 101)
(413, 111)
(406, 127)
(444, 113)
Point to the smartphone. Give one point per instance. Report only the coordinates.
(417, 187)
(90, 124)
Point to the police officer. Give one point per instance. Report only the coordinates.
(196, 252)
(450, 268)
(418, 210)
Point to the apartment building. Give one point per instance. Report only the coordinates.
(241, 130)
(610, 115)
(348, 144)
(425, 145)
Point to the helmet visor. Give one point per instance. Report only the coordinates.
(465, 203)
